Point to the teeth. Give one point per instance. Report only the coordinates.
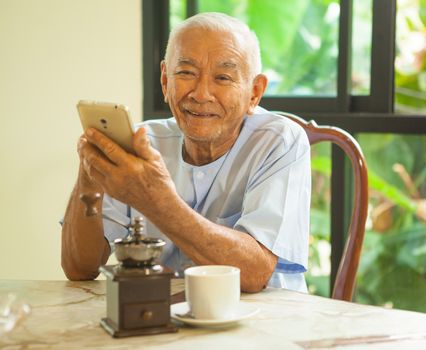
(200, 114)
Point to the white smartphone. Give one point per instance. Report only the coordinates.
(111, 119)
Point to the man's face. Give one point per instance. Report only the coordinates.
(207, 86)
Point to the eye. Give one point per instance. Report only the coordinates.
(184, 73)
(223, 77)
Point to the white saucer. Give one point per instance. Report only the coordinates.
(180, 312)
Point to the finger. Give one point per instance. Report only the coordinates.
(82, 143)
(142, 145)
(108, 147)
(93, 173)
(92, 158)
(85, 148)
(86, 181)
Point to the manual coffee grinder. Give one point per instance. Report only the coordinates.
(138, 288)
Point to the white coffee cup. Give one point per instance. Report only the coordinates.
(212, 291)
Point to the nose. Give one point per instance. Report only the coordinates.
(202, 91)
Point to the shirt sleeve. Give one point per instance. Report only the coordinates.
(117, 211)
(277, 203)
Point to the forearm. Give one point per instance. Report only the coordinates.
(205, 243)
(84, 247)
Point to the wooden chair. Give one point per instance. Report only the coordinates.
(345, 278)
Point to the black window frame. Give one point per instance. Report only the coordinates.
(373, 113)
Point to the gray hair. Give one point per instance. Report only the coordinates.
(221, 22)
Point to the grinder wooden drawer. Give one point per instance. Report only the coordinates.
(145, 315)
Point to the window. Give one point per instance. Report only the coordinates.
(334, 61)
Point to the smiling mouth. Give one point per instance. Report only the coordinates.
(200, 114)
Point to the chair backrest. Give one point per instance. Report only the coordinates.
(345, 279)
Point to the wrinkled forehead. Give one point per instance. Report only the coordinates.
(199, 44)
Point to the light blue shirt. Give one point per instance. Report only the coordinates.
(261, 186)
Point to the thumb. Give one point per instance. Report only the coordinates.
(142, 146)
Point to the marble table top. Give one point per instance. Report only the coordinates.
(66, 315)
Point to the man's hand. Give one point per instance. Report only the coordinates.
(141, 181)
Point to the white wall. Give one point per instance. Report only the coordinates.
(53, 53)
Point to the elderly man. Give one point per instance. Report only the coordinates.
(223, 181)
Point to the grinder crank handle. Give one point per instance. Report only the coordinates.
(90, 200)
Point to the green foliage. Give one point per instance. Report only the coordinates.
(393, 269)
(319, 285)
(422, 11)
(390, 192)
(322, 165)
(410, 68)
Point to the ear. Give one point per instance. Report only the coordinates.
(163, 79)
(258, 89)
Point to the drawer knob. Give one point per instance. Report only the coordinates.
(146, 315)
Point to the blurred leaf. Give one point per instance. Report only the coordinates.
(383, 151)
(319, 284)
(283, 17)
(422, 11)
(322, 165)
(405, 288)
(235, 8)
(371, 251)
(320, 224)
(410, 246)
(390, 192)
